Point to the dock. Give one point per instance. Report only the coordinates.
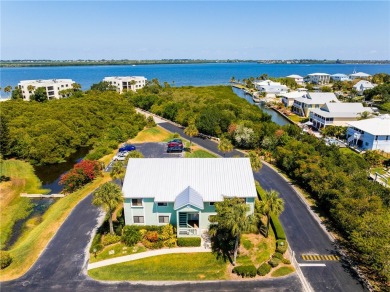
(25, 195)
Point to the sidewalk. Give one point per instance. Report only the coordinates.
(147, 254)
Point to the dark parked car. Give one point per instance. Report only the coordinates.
(175, 145)
(127, 147)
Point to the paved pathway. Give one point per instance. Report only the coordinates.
(147, 254)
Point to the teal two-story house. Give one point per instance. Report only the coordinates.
(182, 192)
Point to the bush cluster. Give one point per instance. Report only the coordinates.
(110, 239)
(245, 271)
(274, 262)
(281, 246)
(188, 241)
(264, 269)
(5, 259)
(130, 235)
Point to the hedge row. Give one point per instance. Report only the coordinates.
(245, 271)
(275, 223)
(188, 241)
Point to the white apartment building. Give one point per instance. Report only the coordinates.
(269, 86)
(363, 85)
(317, 78)
(359, 75)
(337, 114)
(298, 79)
(289, 97)
(339, 77)
(52, 87)
(312, 100)
(125, 83)
(370, 134)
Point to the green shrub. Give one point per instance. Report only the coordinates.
(277, 227)
(110, 239)
(130, 235)
(245, 271)
(176, 135)
(96, 240)
(274, 262)
(264, 269)
(278, 255)
(150, 123)
(281, 246)
(188, 241)
(148, 227)
(286, 261)
(5, 259)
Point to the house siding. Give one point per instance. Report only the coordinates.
(151, 212)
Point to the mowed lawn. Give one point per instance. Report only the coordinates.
(155, 134)
(177, 267)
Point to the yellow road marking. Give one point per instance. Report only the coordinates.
(315, 257)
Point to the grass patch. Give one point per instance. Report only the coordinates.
(199, 154)
(346, 150)
(247, 244)
(120, 249)
(12, 206)
(155, 134)
(184, 267)
(295, 118)
(282, 271)
(27, 249)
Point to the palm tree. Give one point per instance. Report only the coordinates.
(191, 131)
(364, 115)
(232, 215)
(225, 146)
(30, 88)
(271, 204)
(118, 171)
(108, 196)
(255, 161)
(76, 86)
(232, 80)
(8, 89)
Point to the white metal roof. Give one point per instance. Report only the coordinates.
(363, 84)
(339, 75)
(360, 74)
(165, 178)
(292, 94)
(353, 107)
(295, 76)
(318, 74)
(189, 196)
(318, 98)
(375, 126)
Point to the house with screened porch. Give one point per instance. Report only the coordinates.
(182, 192)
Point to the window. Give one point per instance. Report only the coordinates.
(376, 138)
(138, 219)
(162, 204)
(211, 203)
(163, 219)
(136, 202)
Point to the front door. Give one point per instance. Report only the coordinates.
(193, 219)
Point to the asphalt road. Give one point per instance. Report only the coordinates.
(304, 233)
(62, 265)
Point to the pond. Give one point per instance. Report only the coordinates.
(50, 176)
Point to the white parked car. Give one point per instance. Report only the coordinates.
(121, 156)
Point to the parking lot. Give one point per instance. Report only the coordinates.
(153, 150)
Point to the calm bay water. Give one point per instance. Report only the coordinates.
(178, 74)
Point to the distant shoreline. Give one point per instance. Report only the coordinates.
(53, 63)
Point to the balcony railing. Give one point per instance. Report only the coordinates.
(189, 231)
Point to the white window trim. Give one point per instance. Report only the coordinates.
(164, 215)
(135, 206)
(139, 222)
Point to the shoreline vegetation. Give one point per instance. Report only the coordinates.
(49, 63)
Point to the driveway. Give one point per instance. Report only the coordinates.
(63, 264)
(304, 233)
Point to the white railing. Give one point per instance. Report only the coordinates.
(188, 231)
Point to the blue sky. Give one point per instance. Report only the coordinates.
(202, 29)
